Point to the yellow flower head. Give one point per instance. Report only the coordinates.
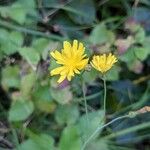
(103, 63)
(71, 58)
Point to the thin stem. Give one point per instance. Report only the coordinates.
(101, 127)
(105, 92)
(92, 96)
(29, 31)
(127, 130)
(85, 101)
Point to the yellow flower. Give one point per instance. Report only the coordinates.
(103, 63)
(71, 58)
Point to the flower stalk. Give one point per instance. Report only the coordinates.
(101, 127)
(85, 101)
(105, 93)
(131, 114)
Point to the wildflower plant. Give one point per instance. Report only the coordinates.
(72, 60)
(103, 63)
(59, 103)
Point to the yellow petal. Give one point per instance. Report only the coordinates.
(61, 78)
(67, 49)
(57, 55)
(66, 45)
(75, 46)
(76, 71)
(82, 64)
(56, 71)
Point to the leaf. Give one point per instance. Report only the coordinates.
(62, 96)
(20, 110)
(128, 56)
(113, 73)
(17, 13)
(67, 114)
(10, 42)
(19, 10)
(27, 83)
(141, 52)
(96, 145)
(43, 99)
(43, 46)
(4, 35)
(30, 54)
(146, 44)
(140, 35)
(64, 25)
(28, 144)
(10, 77)
(78, 11)
(70, 139)
(90, 76)
(40, 44)
(101, 35)
(37, 142)
(96, 119)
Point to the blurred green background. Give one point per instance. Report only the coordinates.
(38, 114)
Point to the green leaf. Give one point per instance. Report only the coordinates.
(67, 114)
(141, 52)
(17, 13)
(140, 35)
(10, 77)
(28, 144)
(90, 76)
(4, 35)
(4, 11)
(43, 46)
(10, 42)
(19, 10)
(20, 110)
(62, 96)
(96, 119)
(95, 145)
(128, 57)
(40, 44)
(16, 38)
(100, 35)
(67, 27)
(113, 73)
(30, 54)
(146, 44)
(78, 11)
(43, 99)
(27, 83)
(70, 139)
(37, 142)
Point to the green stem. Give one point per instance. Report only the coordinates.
(101, 127)
(105, 92)
(92, 96)
(128, 130)
(18, 28)
(85, 100)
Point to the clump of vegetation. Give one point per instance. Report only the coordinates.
(58, 93)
